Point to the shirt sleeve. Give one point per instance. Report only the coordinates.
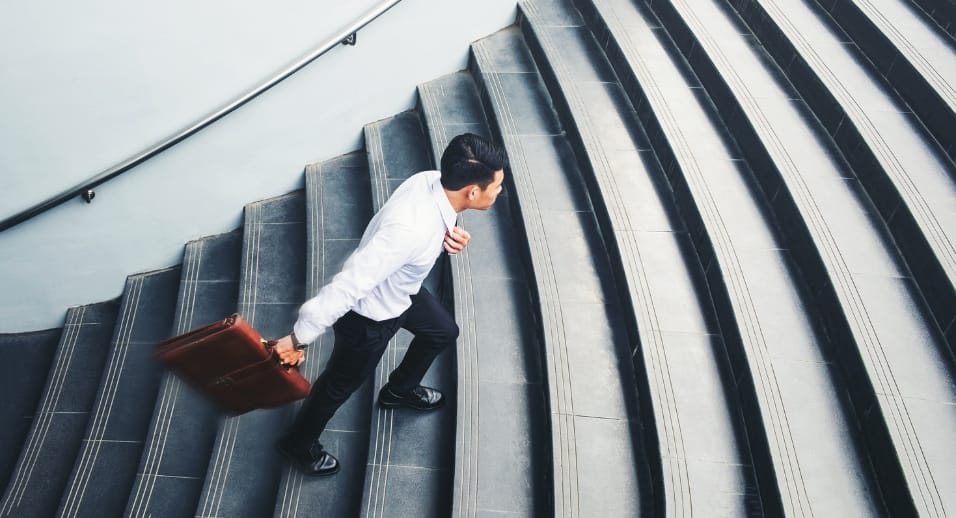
(388, 250)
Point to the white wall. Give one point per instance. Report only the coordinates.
(83, 85)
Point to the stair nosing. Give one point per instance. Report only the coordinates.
(677, 488)
(467, 488)
(564, 434)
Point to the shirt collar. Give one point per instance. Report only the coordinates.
(448, 214)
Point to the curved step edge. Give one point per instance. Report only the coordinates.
(171, 471)
(58, 425)
(105, 467)
(908, 183)
(573, 317)
(397, 148)
(501, 401)
(923, 79)
(338, 204)
(271, 289)
(658, 271)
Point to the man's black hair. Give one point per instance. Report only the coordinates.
(470, 159)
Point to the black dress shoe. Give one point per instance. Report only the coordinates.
(313, 461)
(420, 398)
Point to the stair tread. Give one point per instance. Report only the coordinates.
(501, 405)
(407, 450)
(271, 289)
(676, 325)
(339, 206)
(914, 40)
(941, 14)
(580, 315)
(916, 60)
(105, 465)
(171, 470)
(880, 301)
(832, 204)
(27, 357)
(916, 174)
(805, 430)
(48, 433)
(392, 159)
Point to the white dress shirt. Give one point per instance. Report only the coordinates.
(398, 249)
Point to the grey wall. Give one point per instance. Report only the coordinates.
(84, 85)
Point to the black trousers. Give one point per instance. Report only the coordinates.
(359, 345)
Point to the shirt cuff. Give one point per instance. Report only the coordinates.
(305, 332)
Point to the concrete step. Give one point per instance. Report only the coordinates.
(910, 56)
(242, 478)
(59, 421)
(105, 467)
(173, 465)
(941, 13)
(339, 205)
(27, 358)
(817, 202)
(408, 453)
(907, 177)
(903, 413)
(689, 397)
(794, 400)
(501, 465)
(598, 461)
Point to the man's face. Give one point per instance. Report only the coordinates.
(486, 198)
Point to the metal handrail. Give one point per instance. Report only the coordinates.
(345, 36)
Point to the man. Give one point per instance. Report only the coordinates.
(379, 290)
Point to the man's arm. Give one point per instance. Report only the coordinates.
(385, 253)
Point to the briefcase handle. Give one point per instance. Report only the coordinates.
(270, 346)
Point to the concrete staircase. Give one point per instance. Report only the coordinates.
(720, 282)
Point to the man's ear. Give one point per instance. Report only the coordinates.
(472, 192)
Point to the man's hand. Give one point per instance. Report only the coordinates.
(456, 240)
(287, 352)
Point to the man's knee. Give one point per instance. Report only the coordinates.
(443, 335)
(453, 331)
(335, 389)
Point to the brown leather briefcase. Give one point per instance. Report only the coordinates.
(233, 365)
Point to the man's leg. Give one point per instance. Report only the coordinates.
(359, 345)
(434, 329)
